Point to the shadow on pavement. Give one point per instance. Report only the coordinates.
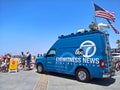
(103, 81)
(66, 76)
(97, 81)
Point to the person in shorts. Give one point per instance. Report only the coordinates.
(28, 58)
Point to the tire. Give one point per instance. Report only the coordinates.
(82, 75)
(20, 66)
(32, 65)
(39, 68)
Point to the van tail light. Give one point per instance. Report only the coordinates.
(101, 63)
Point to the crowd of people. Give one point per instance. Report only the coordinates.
(4, 62)
(24, 60)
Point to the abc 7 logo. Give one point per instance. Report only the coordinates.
(87, 49)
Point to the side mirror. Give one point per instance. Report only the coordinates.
(45, 55)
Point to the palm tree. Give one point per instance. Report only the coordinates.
(118, 42)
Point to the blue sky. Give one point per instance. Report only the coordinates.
(34, 25)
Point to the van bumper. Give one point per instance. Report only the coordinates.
(107, 75)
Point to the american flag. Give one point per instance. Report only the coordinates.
(100, 12)
(116, 31)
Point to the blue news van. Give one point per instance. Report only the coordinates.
(86, 55)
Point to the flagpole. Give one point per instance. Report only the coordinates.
(94, 18)
(116, 31)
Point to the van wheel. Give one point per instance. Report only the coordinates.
(82, 75)
(39, 68)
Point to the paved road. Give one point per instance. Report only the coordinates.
(23, 80)
(30, 80)
(62, 82)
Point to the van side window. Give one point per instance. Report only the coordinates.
(51, 53)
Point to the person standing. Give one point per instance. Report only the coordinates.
(8, 61)
(23, 60)
(28, 58)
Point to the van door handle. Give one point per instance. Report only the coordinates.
(49, 62)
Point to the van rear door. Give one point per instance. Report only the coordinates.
(109, 63)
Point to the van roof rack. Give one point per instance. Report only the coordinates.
(80, 34)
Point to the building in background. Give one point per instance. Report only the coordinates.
(116, 54)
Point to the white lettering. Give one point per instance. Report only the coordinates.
(78, 60)
(91, 60)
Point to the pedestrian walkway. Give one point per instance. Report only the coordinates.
(42, 82)
(54, 81)
(23, 80)
(31, 80)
